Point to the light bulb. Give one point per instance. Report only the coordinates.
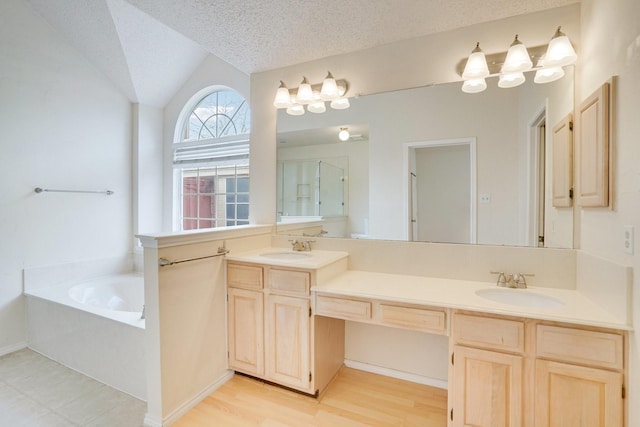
(343, 135)
(476, 66)
(517, 59)
(329, 88)
(474, 85)
(305, 93)
(560, 52)
(282, 99)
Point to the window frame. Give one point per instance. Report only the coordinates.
(235, 147)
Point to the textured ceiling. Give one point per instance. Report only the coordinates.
(150, 47)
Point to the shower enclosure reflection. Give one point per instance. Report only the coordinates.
(311, 190)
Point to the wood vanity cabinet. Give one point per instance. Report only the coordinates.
(273, 333)
(509, 371)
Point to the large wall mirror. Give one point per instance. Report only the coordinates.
(428, 164)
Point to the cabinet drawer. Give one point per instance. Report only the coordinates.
(487, 332)
(420, 319)
(244, 276)
(343, 308)
(594, 348)
(297, 282)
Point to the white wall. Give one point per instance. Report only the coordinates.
(611, 46)
(147, 168)
(64, 125)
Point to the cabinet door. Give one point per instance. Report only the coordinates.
(487, 389)
(569, 395)
(246, 331)
(287, 351)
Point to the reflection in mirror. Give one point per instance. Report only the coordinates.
(430, 163)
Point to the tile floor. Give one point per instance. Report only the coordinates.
(36, 391)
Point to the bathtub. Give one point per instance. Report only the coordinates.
(94, 327)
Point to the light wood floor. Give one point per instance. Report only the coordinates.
(354, 398)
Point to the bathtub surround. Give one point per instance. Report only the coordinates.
(108, 351)
(102, 344)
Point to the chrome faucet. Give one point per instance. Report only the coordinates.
(299, 245)
(515, 280)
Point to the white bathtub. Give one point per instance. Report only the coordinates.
(94, 327)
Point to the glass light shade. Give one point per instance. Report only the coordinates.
(340, 104)
(511, 80)
(560, 52)
(329, 88)
(517, 60)
(548, 74)
(305, 93)
(282, 99)
(317, 107)
(295, 110)
(474, 85)
(343, 135)
(476, 66)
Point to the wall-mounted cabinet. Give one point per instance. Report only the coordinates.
(594, 147)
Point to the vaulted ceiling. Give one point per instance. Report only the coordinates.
(148, 48)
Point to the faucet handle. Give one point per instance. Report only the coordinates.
(519, 279)
(502, 279)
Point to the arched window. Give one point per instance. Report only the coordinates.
(211, 162)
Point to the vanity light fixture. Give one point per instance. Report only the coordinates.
(329, 89)
(305, 93)
(343, 135)
(560, 52)
(283, 98)
(476, 67)
(474, 85)
(295, 110)
(313, 97)
(510, 66)
(340, 104)
(511, 80)
(547, 74)
(317, 106)
(517, 59)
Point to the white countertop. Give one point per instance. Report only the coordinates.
(313, 259)
(461, 294)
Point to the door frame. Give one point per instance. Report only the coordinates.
(408, 163)
(533, 174)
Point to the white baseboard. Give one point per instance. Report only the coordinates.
(13, 347)
(393, 373)
(151, 421)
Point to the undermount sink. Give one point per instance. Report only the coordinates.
(520, 297)
(286, 255)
